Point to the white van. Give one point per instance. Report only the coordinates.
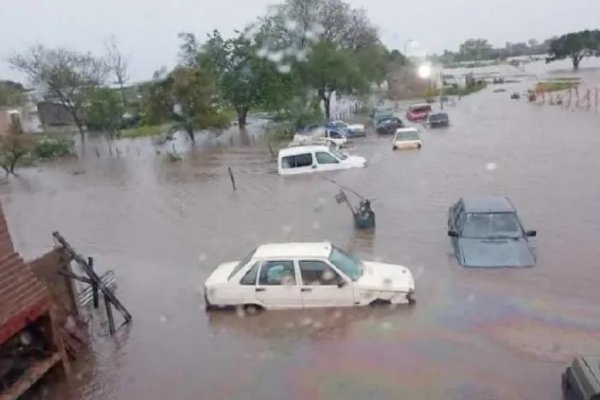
(307, 159)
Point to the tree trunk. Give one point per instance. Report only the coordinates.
(122, 90)
(190, 132)
(242, 113)
(79, 124)
(326, 104)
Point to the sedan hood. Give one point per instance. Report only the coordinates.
(221, 273)
(380, 276)
(495, 253)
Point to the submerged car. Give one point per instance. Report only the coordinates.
(319, 134)
(303, 275)
(487, 232)
(315, 158)
(438, 120)
(350, 130)
(418, 112)
(581, 381)
(389, 126)
(407, 138)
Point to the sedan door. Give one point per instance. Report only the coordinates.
(277, 285)
(322, 286)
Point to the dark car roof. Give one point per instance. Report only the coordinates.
(488, 204)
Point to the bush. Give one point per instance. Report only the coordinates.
(53, 146)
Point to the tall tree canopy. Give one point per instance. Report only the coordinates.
(576, 46)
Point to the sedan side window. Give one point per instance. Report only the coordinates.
(277, 273)
(250, 278)
(318, 273)
(326, 158)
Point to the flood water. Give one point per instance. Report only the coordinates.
(473, 334)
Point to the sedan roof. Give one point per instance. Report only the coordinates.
(293, 250)
(488, 204)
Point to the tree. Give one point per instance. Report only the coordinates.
(187, 97)
(244, 79)
(576, 46)
(475, 49)
(14, 145)
(329, 70)
(64, 75)
(118, 64)
(104, 111)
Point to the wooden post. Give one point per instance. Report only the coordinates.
(94, 285)
(232, 178)
(109, 315)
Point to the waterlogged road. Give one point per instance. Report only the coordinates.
(474, 334)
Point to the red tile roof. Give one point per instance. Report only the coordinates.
(23, 296)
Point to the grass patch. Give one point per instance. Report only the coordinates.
(555, 86)
(143, 131)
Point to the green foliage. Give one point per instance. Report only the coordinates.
(555, 86)
(144, 131)
(576, 46)
(48, 146)
(476, 49)
(186, 97)
(11, 94)
(104, 111)
(329, 69)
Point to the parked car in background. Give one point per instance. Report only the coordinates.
(320, 135)
(380, 113)
(407, 138)
(389, 126)
(418, 112)
(306, 275)
(487, 232)
(438, 120)
(315, 158)
(351, 130)
(581, 381)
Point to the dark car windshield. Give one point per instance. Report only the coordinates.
(348, 264)
(491, 225)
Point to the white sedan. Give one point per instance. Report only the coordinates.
(302, 275)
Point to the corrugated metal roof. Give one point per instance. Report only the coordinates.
(22, 294)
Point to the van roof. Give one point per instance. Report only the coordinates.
(292, 151)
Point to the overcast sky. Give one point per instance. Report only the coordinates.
(147, 29)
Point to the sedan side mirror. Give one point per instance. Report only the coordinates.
(341, 283)
(453, 234)
(531, 233)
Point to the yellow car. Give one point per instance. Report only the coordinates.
(407, 138)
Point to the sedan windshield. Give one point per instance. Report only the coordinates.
(241, 264)
(407, 135)
(348, 264)
(492, 226)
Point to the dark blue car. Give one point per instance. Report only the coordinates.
(487, 232)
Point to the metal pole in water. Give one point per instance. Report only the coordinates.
(94, 285)
(232, 178)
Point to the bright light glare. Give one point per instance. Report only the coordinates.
(424, 71)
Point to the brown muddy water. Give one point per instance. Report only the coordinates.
(473, 334)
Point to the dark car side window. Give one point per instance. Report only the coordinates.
(297, 161)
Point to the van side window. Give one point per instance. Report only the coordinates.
(326, 158)
(297, 161)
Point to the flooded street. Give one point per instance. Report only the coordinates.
(473, 334)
